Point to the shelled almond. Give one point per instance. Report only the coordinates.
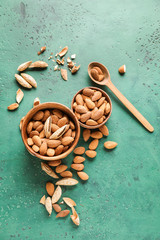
(91, 107)
(51, 131)
(97, 73)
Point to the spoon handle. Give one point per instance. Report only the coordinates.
(130, 107)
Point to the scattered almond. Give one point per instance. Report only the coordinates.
(67, 182)
(48, 170)
(24, 66)
(77, 167)
(78, 159)
(79, 150)
(13, 106)
(91, 153)
(69, 202)
(48, 205)
(64, 74)
(75, 69)
(54, 163)
(96, 134)
(38, 64)
(63, 213)
(36, 102)
(66, 174)
(110, 144)
(75, 217)
(61, 168)
(29, 79)
(86, 134)
(42, 200)
(122, 69)
(63, 51)
(50, 188)
(22, 81)
(19, 95)
(94, 144)
(83, 176)
(57, 194)
(56, 207)
(42, 50)
(104, 130)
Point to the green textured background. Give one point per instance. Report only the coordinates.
(121, 200)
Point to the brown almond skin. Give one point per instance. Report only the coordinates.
(97, 114)
(79, 99)
(67, 174)
(78, 159)
(61, 168)
(83, 176)
(86, 134)
(59, 150)
(50, 188)
(43, 149)
(77, 167)
(94, 144)
(63, 213)
(50, 152)
(98, 70)
(29, 127)
(65, 148)
(42, 134)
(104, 130)
(38, 116)
(100, 101)
(68, 133)
(55, 119)
(88, 92)
(58, 113)
(35, 148)
(90, 104)
(107, 109)
(110, 144)
(74, 105)
(40, 128)
(67, 140)
(56, 207)
(96, 134)
(53, 143)
(36, 140)
(101, 77)
(63, 121)
(72, 125)
(91, 153)
(97, 95)
(94, 74)
(103, 106)
(77, 115)
(36, 124)
(33, 133)
(30, 141)
(91, 122)
(54, 127)
(79, 150)
(73, 134)
(84, 117)
(54, 163)
(80, 109)
(46, 115)
(100, 120)
(13, 106)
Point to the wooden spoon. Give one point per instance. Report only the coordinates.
(127, 104)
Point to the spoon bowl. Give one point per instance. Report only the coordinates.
(104, 70)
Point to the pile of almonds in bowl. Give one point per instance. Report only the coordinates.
(50, 131)
(92, 107)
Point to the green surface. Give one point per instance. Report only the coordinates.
(121, 200)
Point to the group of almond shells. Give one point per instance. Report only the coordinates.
(91, 107)
(50, 132)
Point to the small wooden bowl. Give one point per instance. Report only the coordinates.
(43, 106)
(104, 94)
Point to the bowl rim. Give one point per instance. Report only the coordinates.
(43, 106)
(107, 118)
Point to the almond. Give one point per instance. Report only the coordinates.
(104, 130)
(77, 115)
(96, 134)
(50, 188)
(48, 205)
(100, 101)
(43, 148)
(59, 132)
(69, 202)
(74, 105)
(78, 159)
(65, 148)
(61, 168)
(107, 109)
(68, 133)
(83, 175)
(58, 113)
(97, 114)
(22, 82)
(46, 115)
(94, 74)
(88, 92)
(54, 127)
(77, 167)
(66, 174)
(38, 116)
(67, 182)
(98, 70)
(42, 134)
(53, 143)
(101, 77)
(72, 125)
(42, 200)
(38, 64)
(36, 124)
(110, 144)
(64, 74)
(56, 207)
(91, 153)
(63, 51)
(55, 119)
(35, 148)
(33, 133)
(57, 194)
(84, 117)
(42, 50)
(19, 95)
(30, 141)
(36, 102)
(29, 79)
(79, 99)
(79, 150)
(67, 140)
(48, 170)
(99, 121)
(63, 121)
(36, 140)
(97, 95)
(54, 163)
(122, 69)
(86, 134)
(91, 122)
(75, 217)
(90, 104)
(59, 150)
(102, 107)
(13, 106)
(63, 213)
(50, 152)
(73, 134)
(80, 109)
(85, 105)
(75, 69)
(39, 128)
(94, 144)
(24, 66)
(29, 127)
(47, 127)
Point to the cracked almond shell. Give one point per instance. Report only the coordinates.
(64, 74)
(48, 170)
(22, 81)
(63, 51)
(57, 194)
(13, 106)
(19, 95)
(39, 64)
(67, 182)
(29, 79)
(24, 66)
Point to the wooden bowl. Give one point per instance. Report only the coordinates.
(104, 94)
(43, 106)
